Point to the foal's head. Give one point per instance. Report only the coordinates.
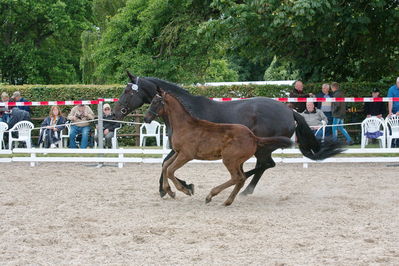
(156, 108)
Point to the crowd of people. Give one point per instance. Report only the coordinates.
(327, 115)
(332, 114)
(80, 118)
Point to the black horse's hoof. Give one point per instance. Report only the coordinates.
(191, 189)
(246, 192)
(162, 193)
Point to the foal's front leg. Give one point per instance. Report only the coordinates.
(165, 183)
(179, 161)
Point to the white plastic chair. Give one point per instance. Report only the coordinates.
(392, 129)
(114, 140)
(24, 129)
(3, 128)
(65, 135)
(165, 138)
(373, 125)
(323, 130)
(152, 130)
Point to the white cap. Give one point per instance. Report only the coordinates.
(106, 105)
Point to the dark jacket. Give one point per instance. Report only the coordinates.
(25, 108)
(110, 125)
(52, 136)
(18, 115)
(374, 108)
(298, 106)
(338, 109)
(321, 95)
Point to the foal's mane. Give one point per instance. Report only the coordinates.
(186, 99)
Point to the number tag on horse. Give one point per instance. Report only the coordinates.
(135, 87)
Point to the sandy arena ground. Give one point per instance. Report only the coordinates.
(56, 214)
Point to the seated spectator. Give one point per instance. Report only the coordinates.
(51, 128)
(325, 107)
(314, 118)
(16, 115)
(80, 115)
(298, 92)
(374, 108)
(4, 110)
(108, 126)
(17, 96)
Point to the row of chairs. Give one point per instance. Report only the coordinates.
(382, 130)
(24, 128)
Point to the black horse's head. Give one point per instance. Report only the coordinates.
(136, 93)
(156, 108)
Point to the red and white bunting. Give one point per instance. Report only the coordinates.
(295, 100)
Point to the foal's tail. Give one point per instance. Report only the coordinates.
(274, 142)
(310, 146)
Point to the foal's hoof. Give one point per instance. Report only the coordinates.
(208, 199)
(162, 193)
(191, 189)
(172, 194)
(227, 203)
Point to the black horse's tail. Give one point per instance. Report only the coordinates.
(310, 146)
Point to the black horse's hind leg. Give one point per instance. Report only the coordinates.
(162, 192)
(262, 164)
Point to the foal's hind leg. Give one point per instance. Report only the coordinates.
(237, 178)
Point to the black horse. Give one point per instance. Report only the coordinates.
(263, 116)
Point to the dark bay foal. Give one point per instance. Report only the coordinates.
(199, 139)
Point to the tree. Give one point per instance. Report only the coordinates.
(41, 40)
(325, 39)
(162, 39)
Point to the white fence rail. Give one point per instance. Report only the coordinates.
(103, 156)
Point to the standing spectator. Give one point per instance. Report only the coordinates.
(52, 126)
(18, 98)
(4, 110)
(325, 106)
(298, 92)
(80, 115)
(108, 126)
(393, 107)
(338, 110)
(314, 118)
(374, 108)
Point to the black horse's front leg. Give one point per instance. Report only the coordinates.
(162, 192)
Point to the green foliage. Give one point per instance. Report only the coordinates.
(41, 40)
(162, 39)
(328, 39)
(280, 71)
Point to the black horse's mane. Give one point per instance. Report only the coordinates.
(185, 98)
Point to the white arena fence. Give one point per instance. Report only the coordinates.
(120, 156)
